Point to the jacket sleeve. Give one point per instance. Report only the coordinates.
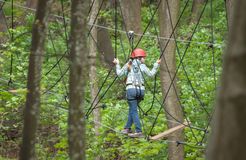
(121, 71)
(149, 72)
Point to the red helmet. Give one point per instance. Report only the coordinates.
(138, 52)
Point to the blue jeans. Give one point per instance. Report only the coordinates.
(134, 96)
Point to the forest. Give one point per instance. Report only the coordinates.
(62, 98)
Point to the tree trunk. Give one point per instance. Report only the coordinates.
(196, 10)
(77, 79)
(3, 25)
(32, 4)
(227, 140)
(92, 62)
(105, 48)
(229, 9)
(132, 15)
(172, 106)
(92, 70)
(31, 112)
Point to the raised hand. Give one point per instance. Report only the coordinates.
(116, 61)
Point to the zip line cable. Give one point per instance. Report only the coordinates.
(153, 36)
(120, 31)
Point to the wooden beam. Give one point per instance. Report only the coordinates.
(20, 90)
(168, 132)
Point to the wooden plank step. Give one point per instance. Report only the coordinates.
(168, 132)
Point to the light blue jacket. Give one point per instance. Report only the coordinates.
(144, 70)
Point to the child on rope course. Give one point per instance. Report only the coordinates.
(134, 70)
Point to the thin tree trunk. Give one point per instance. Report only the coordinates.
(229, 9)
(228, 140)
(104, 42)
(32, 4)
(196, 10)
(77, 79)
(92, 61)
(132, 15)
(3, 25)
(172, 106)
(92, 71)
(105, 48)
(31, 112)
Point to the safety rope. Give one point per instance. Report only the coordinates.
(214, 69)
(120, 31)
(92, 3)
(98, 12)
(180, 104)
(59, 67)
(181, 60)
(151, 19)
(138, 42)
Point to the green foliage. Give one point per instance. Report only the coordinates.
(195, 79)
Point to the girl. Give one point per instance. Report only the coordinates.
(135, 70)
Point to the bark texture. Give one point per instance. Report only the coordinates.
(196, 10)
(132, 15)
(77, 79)
(166, 21)
(31, 112)
(92, 62)
(228, 140)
